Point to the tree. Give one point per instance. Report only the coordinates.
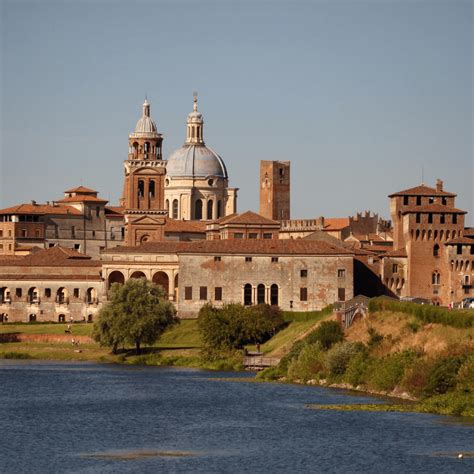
(327, 334)
(136, 313)
(234, 325)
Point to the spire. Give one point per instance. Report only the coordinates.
(146, 108)
(195, 124)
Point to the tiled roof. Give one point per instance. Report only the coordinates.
(266, 247)
(434, 208)
(166, 246)
(82, 198)
(461, 240)
(41, 209)
(469, 232)
(52, 257)
(175, 225)
(81, 189)
(422, 190)
(247, 218)
(114, 210)
(336, 223)
(397, 253)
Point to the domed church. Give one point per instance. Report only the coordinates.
(196, 183)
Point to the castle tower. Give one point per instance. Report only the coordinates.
(275, 189)
(196, 185)
(143, 192)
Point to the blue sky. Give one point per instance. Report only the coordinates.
(361, 96)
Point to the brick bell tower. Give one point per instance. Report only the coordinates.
(143, 191)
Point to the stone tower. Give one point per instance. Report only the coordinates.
(275, 189)
(143, 192)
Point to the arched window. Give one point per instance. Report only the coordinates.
(435, 278)
(135, 149)
(423, 234)
(116, 277)
(417, 234)
(62, 296)
(167, 205)
(32, 318)
(435, 235)
(91, 296)
(141, 188)
(436, 251)
(261, 294)
(429, 234)
(441, 234)
(151, 189)
(248, 294)
(175, 209)
(62, 318)
(274, 295)
(138, 274)
(210, 205)
(448, 235)
(219, 209)
(198, 209)
(147, 147)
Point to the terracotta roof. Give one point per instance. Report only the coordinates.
(435, 208)
(266, 247)
(468, 232)
(41, 209)
(82, 198)
(114, 210)
(336, 223)
(461, 240)
(166, 246)
(54, 256)
(247, 218)
(81, 189)
(369, 237)
(422, 190)
(174, 225)
(396, 253)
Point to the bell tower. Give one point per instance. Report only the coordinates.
(143, 191)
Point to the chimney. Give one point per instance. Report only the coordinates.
(439, 185)
(33, 203)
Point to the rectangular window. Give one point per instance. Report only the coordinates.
(418, 217)
(50, 245)
(268, 236)
(418, 200)
(97, 211)
(77, 246)
(253, 235)
(282, 172)
(395, 268)
(18, 292)
(431, 200)
(405, 200)
(459, 249)
(73, 232)
(341, 294)
(248, 259)
(93, 233)
(218, 293)
(1, 246)
(9, 233)
(303, 294)
(188, 293)
(9, 246)
(47, 292)
(455, 218)
(238, 235)
(203, 292)
(341, 273)
(24, 233)
(1, 233)
(122, 232)
(37, 233)
(274, 259)
(442, 219)
(303, 273)
(430, 218)
(217, 259)
(444, 201)
(76, 292)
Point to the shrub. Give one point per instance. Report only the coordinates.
(465, 378)
(389, 370)
(308, 365)
(338, 357)
(327, 334)
(453, 403)
(375, 338)
(358, 369)
(442, 376)
(416, 377)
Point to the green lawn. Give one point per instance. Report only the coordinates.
(78, 329)
(183, 335)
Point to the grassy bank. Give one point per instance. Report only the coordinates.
(397, 354)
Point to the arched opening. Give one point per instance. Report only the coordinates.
(167, 206)
(454, 234)
(417, 235)
(448, 235)
(198, 209)
(175, 209)
(210, 206)
(3, 318)
(33, 295)
(32, 318)
(423, 234)
(436, 251)
(435, 235)
(115, 277)
(90, 318)
(161, 279)
(274, 295)
(62, 318)
(435, 278)
(135, 149)
(91, 296)
(248, 294)
(430, 233)
(147, 147)
(141, 188)
(219, 209)
(62, 296)
(441, 234)
(261, 294)
(151, 189)
(176, 292)
(137, 275)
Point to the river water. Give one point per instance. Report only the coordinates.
(87, 418)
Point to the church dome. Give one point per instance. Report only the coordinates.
(195, 161)
(145, 124)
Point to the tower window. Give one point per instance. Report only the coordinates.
(97, 211)
(141, 188)
(175, 209)
(418, 200)
(151, 189)
(418, 217)
(455, 218)
(405, 200)
(430, 218)
(442, 219)
(436, 251)
(198, 209)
